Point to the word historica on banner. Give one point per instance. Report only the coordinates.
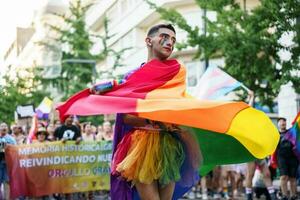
(64, 159)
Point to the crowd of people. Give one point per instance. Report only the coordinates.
(237, 181)
(254, 179)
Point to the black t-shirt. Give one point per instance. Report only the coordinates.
(285, 147)
(68, 132)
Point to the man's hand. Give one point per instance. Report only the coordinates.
(94, 91)
(78, 140)
(63, 140)
(102, 87)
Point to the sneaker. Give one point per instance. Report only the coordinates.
(273, 196)
(217, 196)
(191, 195)
(249, 196)
(204, 196)
(198, 195)
(284, 198)
(226, 196)
(294, 197)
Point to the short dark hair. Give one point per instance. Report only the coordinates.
(154, 29)
(281, 118)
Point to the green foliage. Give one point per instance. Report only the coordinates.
(77, 44)
(249, 41)
(95, 120)
(78, 64)
(20, 88)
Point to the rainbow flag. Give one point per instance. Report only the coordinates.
(215, 83)
(44, 108)
(293, 135)
(227, 132)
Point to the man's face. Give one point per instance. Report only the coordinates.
(106, 127)
(69, 121)
(3, 128)
(41, 137)
(17, 129)
(88, 128)
(14, 129)
(282, 124)
(162, 43)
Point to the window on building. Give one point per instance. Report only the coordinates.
(127, 41)
(194, 18)
(124, 6)
(195, 69)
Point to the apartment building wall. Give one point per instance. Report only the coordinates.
(130, 20)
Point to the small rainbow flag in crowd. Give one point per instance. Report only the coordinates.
(44, 108)
(293, 135)
(215, 83)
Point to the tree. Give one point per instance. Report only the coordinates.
(78, 64)
(249, 42)
(21, 87)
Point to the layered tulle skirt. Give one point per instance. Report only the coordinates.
(147, 155)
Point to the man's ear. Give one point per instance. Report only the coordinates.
(148, 41)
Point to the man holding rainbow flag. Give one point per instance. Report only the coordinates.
(163, 136)
(287, 156)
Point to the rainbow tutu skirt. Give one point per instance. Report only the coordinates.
(145, 156)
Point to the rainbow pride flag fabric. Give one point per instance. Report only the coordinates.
(215, 83)
(293, 135)
(227, 132)
(44, 108)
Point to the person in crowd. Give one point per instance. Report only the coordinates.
(287, 162)
(263, 167)
(88, 134)
(18, 134)
(42, 135)
(5, 139)
(51, 130)
(68, 131)
(259, 187)
(107, 131)
(99, 136)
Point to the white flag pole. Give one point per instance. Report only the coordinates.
(247, 89)
(250, 95)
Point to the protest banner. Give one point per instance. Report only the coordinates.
(53, 167)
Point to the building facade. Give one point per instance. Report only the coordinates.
(29, 48)
(129, 20)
